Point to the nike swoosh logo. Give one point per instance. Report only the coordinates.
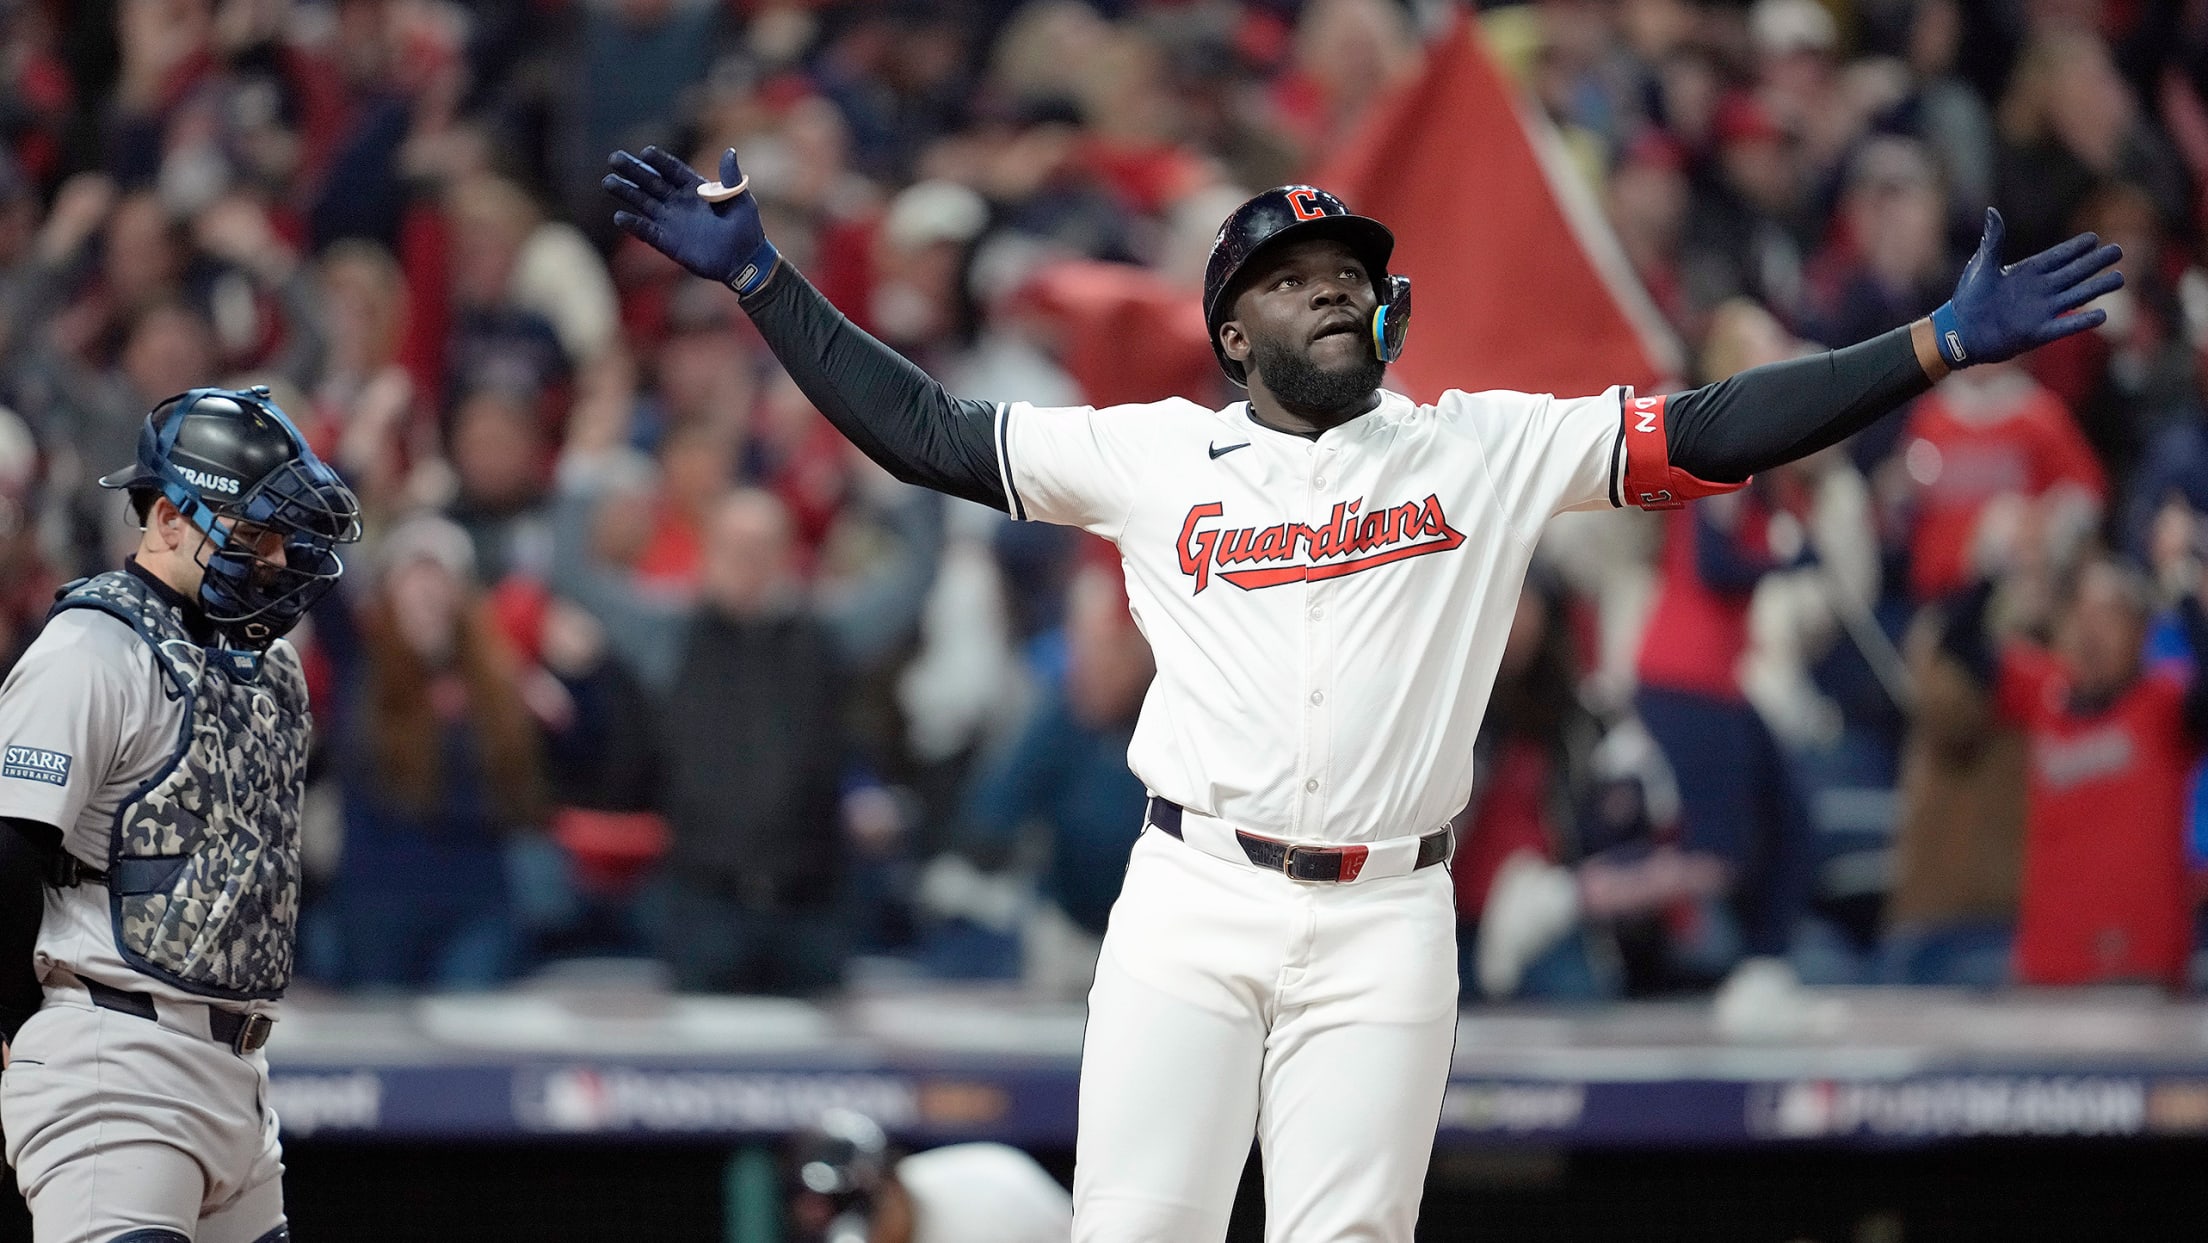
(1217, 452)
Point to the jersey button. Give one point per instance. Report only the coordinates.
(1311, 786)
(1317, 612)
(1319, 482)
(1318, 697)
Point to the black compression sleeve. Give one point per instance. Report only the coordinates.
(25, 848)
(1727, 431)
(893, 411)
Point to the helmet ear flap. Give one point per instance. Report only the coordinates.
(1391, 320)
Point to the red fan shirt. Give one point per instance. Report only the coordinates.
(1969, 443)
(1697, 630)
(2104, 894)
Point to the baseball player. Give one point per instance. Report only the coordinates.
(1327, 572)
(846, 1188)
(153, 746)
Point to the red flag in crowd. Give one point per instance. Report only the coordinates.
(1127, 334)
(1517, 282)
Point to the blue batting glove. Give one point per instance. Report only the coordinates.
(719, 241)
(1999, 311)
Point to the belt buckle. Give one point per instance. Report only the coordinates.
(252, 1034)
(1288, 863)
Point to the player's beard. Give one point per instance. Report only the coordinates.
(1306, 388)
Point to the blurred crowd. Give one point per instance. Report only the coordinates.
(642, 660)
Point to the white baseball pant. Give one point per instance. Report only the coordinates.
(116, 1123)
(1231, 1001)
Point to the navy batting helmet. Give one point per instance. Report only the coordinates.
(1294, 212)
(230, 460)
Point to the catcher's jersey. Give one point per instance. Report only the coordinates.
(85, 722)
(1327, 615)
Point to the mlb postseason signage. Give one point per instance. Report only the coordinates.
(663, 1100)
(950, 1065)
(1032, 1103)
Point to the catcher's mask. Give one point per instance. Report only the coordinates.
(240, 472)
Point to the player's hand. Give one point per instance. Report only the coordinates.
(722, 241)
(2001, 310)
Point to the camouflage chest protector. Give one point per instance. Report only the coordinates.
(203, 860)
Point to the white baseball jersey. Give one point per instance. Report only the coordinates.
(1327, 614)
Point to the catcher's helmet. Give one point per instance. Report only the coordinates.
(227, 458)
(838, 1166)
(1294, 212)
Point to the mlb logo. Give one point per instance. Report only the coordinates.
(35, 764)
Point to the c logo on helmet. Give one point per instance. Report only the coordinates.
(1305, 203)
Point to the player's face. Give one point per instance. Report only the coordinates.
(265, 544)
(1303, 325)
(1312, 297)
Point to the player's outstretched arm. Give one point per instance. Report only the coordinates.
(893, 411)
(1777, 413)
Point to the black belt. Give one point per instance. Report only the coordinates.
(1298, 862)
(242, 1032)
